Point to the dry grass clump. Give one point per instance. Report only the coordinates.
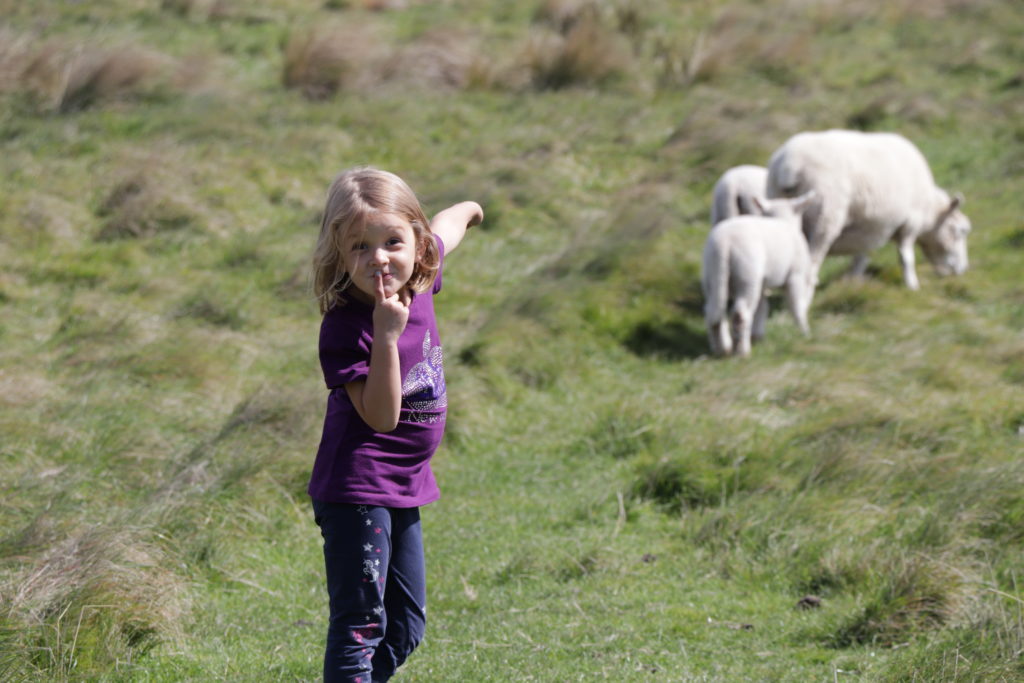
(22, 387)
(105, 76)
(368, 5)
(846, 12)
(14, 52)
(739, 39)
(199, 9)
(42, 217)
(914, 593)
(588, 54)
(69, 79)
(440, 59)
(381, 5)
(322, 62)
(564, 15)
(142, 205)
(718, 135)
(214, 308)
(60, 77)
(96, 598)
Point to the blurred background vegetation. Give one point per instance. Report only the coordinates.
(616, 504)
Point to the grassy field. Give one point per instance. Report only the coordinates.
(616, 504)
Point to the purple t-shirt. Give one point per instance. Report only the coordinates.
(355, 464)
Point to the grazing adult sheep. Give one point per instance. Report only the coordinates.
(736, 190)
(873, 188)
(746, 255)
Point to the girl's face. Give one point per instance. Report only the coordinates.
(383, 253)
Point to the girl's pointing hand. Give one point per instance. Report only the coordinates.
(390, 313)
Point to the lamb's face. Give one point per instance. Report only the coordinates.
(946, 246)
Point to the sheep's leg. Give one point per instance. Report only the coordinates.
(858, 266)
(716, 347)
(822, 226)
(725, 339)
(760, 318)
(905, 245)
(719, 337)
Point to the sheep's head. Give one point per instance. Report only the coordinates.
(945, 245)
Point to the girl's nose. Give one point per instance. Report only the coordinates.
(380, 256)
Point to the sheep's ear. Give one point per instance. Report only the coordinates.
(957, 201)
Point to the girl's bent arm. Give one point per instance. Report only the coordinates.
(451, 223)
(378, 398)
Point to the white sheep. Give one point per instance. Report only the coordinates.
(746, 255)
(872, 188)
(736, 190)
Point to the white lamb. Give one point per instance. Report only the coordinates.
(736, 190)
(746, 255)
(873, 188)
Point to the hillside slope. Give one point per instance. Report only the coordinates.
(616, 504)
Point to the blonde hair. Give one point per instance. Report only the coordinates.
(354, 195)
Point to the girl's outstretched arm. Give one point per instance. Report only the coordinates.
(451, 223)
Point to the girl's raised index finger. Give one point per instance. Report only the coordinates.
(379, 280)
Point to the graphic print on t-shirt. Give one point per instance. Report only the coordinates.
(424, 388)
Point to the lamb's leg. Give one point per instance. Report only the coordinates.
(742, 317)
(760, 318)
(799, 292)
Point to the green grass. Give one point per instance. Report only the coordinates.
(616, 504)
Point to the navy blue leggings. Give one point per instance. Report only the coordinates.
(376, 584)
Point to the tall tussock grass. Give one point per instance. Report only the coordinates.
(145, 204)
(438, 60)
(62, 78)
(326, 62)
(585, 53)
(199, 9)
(320, 62)
(572, 44)
(564, 15)
(909, 594)
(100, 597)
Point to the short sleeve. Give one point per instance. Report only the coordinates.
(344, 348)
(440, 263)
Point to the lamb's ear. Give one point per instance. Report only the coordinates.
(957, 201)
(800, 203)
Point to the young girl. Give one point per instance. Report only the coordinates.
(377, 266)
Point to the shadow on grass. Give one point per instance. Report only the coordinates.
(671, 340)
